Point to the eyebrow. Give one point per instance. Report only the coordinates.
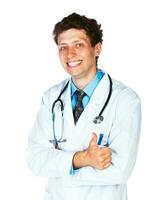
(64, 43)
(60, 44)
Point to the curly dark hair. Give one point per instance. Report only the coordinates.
(91, 27)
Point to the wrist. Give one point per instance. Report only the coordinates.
(80, 159)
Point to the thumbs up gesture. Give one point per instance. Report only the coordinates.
(94, 156)
(98, 157)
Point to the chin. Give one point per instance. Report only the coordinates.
(73, 71)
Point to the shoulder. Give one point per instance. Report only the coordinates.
(53, 92)
(124, 91)
(125, 97)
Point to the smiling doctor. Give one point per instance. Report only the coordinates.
(86, 134)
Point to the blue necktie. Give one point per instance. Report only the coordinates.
(79, 105)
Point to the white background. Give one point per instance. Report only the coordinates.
(29, 65)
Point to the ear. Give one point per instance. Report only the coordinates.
(98, 49)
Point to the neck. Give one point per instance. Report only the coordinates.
(82, 82)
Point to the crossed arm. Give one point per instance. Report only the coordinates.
(98, 165)
(94, 156)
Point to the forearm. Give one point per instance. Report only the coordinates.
(47, 161)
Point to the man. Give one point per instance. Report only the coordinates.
(85, 158)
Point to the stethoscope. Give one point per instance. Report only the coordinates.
(97, 120)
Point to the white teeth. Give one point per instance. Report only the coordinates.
(74, 63)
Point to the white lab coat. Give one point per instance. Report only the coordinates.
(121, 128)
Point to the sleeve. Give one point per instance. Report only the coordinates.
(123, 140)
(42, 158)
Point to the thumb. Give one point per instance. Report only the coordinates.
(94, 139)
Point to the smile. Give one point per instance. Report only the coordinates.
(74, 63)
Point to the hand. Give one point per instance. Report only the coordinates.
(98, 157)
(95, 156)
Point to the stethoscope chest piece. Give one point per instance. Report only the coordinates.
(98, 119)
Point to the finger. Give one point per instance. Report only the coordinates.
(105, 150)
(94, 139)
(103, 166)
(107, 165)
(106, 160)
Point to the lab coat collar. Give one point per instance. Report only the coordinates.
(101, 92)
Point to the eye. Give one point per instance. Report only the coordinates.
(78, 45)
(62, 48)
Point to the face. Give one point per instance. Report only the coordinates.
(77, 55)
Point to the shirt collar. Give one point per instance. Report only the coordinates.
(91, 86)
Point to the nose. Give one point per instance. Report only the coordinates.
(71, 52)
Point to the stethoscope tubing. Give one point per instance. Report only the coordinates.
(109, 96)
(98, 119)
(58, 99)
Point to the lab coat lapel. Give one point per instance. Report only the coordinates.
(95, 104)
(68, 115)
